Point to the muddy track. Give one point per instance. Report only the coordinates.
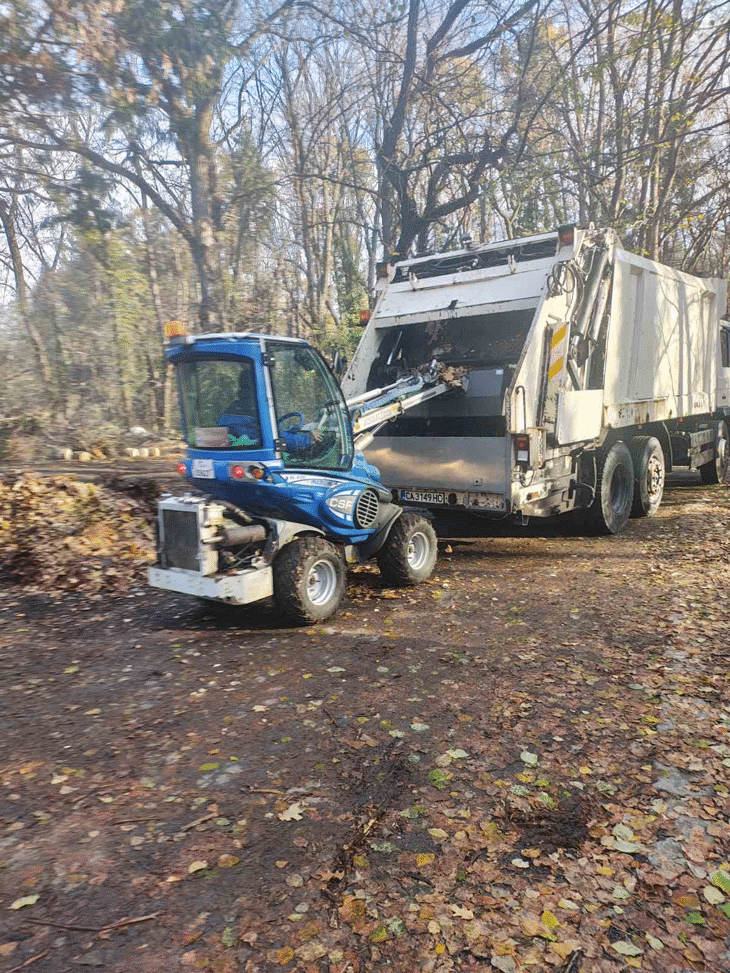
(536, 736)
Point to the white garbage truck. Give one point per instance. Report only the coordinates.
(592, 372)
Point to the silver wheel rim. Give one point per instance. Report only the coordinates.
(654, 477)
(418, 548)
(321, 582)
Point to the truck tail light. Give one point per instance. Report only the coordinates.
(566, 235)
(237, 472)
(364, 317)
(182, 468)
(522, 449)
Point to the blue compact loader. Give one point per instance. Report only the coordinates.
(285, 499)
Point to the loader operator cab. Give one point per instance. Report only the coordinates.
(240, 418)
(225, 406)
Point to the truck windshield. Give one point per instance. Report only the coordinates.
(314, 424)
(219, 404)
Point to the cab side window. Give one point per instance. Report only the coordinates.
(725, 346)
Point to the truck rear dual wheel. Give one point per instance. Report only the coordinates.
(310, 577)
(716, 471)
(409, 554)
(649, 472)
(614, 495)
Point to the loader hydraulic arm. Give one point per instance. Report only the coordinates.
(373, 409)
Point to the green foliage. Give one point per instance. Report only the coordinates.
(352, 295)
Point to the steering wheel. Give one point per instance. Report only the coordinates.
(292, 415)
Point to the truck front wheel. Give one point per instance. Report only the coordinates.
(648, 458)
(309, 579)
(409, 554)
(611, 507)
(716, 470)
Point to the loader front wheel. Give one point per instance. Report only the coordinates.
(409, 554)
(309, 580)
(611, 507)
(648, 458)
(716, 470)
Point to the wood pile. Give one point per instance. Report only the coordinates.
(58, 533)
(106, 453)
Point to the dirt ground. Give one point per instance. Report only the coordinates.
(522, 765)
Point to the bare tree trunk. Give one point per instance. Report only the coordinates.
(206, 212)
(157, 373)
(121, 343)
(7, 218)
(331, 202)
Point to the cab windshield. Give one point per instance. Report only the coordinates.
(314, 425)
(219, 404)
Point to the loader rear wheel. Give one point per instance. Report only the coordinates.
(609, 512)
(409, 554)
(716, 470)
(648, 458)
(309, 580)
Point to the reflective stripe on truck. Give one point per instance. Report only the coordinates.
(557, 352)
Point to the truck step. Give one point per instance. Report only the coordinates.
(699, 459)
(700, 439)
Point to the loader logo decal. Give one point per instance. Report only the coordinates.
(557, 357)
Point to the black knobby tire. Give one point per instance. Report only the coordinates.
(611, 507)
(409, 554)
(310, 577)
(717, 469)
(647, 456)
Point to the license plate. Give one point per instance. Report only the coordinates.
(422, 496)
(202, 469)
